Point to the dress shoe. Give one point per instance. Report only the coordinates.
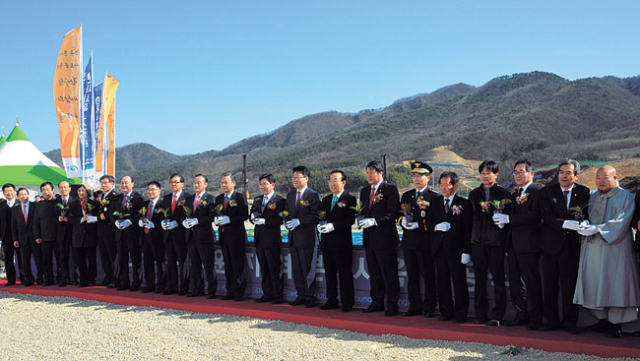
(10, 284)
(134, 288)
(146, 290)
(183, 293)
(428, 314)
(277, 301)
(297, 302)
(518, 321)
(238, 298)
(329, 306)
(48, 283)
(346, 308)
(614, 331)
(227, 297)
(481, 321)
(534, 326)
(445, 318)
(460, 320)
(495, 323)
(572, 330)
(83, 284)
(27, 284)
(123, 287)
(411, 313)
(264, 299)
(600, 326)
(63, 284)
(391, 313)
(211, 296)
(310, 304)
(111, 285)
(159, 290)
(104, 283)
(549, 327)
(373, 308)
(169, 292)
(194, 294)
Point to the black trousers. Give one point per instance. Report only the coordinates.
(304, 271)
(383, 271)
(153, 250)
(234, 255)
(271, 271)
(420, 262)
(561, 270)
(129, 248)
(28, 250)
(10, 253)
(338, 266)
(526, 300)
(64, 250)
(489, 259)
(177, 272)
(49, 249)
(85, 258)
(449, 269)
(108, 254)
(202, 254)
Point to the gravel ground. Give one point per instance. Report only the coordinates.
(66, 328)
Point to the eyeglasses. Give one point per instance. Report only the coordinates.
(297, 177)
(176, 182)
(520, 172)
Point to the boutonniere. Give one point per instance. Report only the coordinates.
(127, 205)
(485, 206)
(233, 203)
(105, 201)
(271, 205)
(378, 198)
(522, 198)
(304, 202)
(202, 203)
(422, 204)
(341, 204)
(456, 210)
(181, 203)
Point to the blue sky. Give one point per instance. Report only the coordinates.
(200, 75)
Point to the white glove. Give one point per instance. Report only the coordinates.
(126, 223)
(222, 220)
(141, 224)
(465, 258)
(259, 221)
(572, 225)
(588, 230)
(500, 218)
(119, 223)
(173, 225)
(92, 219)
(190, 222)
(292, 224)
(165, 224)
(368, 222)
(252, 218)
(150, 225)
(442, 227)
(326, 228)
(408, 225)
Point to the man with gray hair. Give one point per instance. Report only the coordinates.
(608, 277)
(563, 206)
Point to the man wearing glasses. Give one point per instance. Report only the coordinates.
(153, 240)
(174, 238)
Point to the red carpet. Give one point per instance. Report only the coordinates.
(376, 324)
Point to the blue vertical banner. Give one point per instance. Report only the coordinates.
(87, 126)
(98, 149)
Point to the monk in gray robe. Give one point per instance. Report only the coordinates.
(608, 276)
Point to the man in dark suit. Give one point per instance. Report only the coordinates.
(153, 240)
(174, 237)
(265, 214)
(381, 202)
(488, 242)
(233, 236)
(199, 212)
(23, 238)
(44, 229)
(522, 246)
(125, 216)
(107, 231)
(302, 206)
(63, 236)
(336, 242)
(6, 235)
(563, 206)
(451, 218)
(416, 241)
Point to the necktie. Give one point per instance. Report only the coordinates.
(149, 213)
(64, 201)
(298, 200)
(446, 205)
(566, 198)
(124, 201)
(334, 201)
(520, 191)
(24, 213)
(173, 203)
(373, 194)
(265, 201)
(226, 201)
(195, 203)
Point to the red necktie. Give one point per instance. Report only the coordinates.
(173, 203)
(226, 201)
(195, 203)
(24, 212)
(147, 230)
(298, 200)
(373, 194)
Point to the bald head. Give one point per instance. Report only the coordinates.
(606, 178)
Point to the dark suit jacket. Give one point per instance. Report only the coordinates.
(22, 232)
(83, 234)
(485, 232)
(131, 233)
(419, 238)
(176, 234)
(105, 225)
(156, 233)
(385, 212)
(6, 235)
(46, 220)
(63, 228)
(554, 212)
(268, 235)
(342, 216)
(525, 221)
(460, 216)
(304, 236)
(634, 222)
(238, 212)
(204, 212)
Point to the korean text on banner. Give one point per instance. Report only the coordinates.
(110, 86)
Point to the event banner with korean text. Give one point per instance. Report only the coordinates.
(109, 88)
(99, 126)
(67, 93)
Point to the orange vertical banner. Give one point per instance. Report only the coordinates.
(110, 88)
(67, 94)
